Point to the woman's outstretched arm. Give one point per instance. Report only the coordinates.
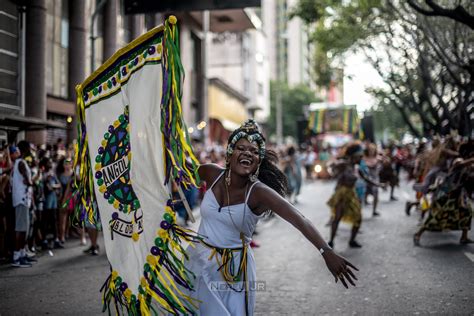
(264, 198)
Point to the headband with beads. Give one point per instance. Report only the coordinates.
(250, 131)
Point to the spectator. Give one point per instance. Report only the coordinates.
(21, 194)
(52, 187)
(309, 162)
(64, 173)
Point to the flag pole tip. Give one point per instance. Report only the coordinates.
(172, 19)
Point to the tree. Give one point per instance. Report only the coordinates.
(425, 60)
(387, 118)
(293, 101)
(432, 8)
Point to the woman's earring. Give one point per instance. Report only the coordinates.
(254, 177)
(227, 177)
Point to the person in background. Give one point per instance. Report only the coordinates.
(38, 194)
(419, 173)
(60, 148)
(5, 168)
(36, 206)
(453, 188)
(64, 173)
(344, 203)
(388, 174)
(22, 196)
(310, 158)
(93, 232)
(292, 170)
(372, 162)
(190, 195)
(52, 189)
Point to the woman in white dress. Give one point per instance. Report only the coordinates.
(237, 198)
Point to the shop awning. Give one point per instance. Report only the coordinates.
(61, 106)
(26, 123)
(226, 104)
(234, 20)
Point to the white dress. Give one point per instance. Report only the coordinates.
(221, 228)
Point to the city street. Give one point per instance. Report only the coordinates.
(395, 277)
(105, 105)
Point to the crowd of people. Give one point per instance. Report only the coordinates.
(442, 172)
(444, 188)
(36, 184)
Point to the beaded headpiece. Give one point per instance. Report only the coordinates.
(251, 132)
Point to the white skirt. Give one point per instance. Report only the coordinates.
(216, 296)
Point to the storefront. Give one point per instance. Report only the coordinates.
(226, 110)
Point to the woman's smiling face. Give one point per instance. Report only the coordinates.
(245, 158)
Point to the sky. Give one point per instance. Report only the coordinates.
(358, 76)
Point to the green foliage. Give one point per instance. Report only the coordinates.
(388, 119)
(423, 60)
(338, 27)
(293, 100)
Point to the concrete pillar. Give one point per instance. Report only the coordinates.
(136, 24)
(35, 64)
(153, 19)
(110, 28)
(77, 53)
(159, 19)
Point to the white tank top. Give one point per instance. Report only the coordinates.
(21, 193)
(222, 225)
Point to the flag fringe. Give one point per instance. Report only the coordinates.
(165, 274)
(180, 161)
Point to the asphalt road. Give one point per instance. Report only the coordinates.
(395, 277)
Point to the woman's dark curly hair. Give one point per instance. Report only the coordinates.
(269, 173)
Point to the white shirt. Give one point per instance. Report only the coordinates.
(21, 193)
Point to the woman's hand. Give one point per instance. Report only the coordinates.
(340, 268)
(265, 198)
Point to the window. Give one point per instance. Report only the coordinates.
(57, 44)
(9, 55)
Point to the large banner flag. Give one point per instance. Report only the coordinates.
(132, 144)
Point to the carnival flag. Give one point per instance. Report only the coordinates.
(132, 144)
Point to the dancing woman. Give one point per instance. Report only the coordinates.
(345, 204)
(238, 196)
(451, 205)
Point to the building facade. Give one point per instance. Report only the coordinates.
(46, 50)
(289, 50)
(240, 60)
(53, 54)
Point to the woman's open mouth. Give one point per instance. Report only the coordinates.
(245, 162)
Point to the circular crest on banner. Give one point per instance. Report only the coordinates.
(112, 168)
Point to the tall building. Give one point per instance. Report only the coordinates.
(48, 54)
(289, 50)
(239, 61)
(46, 50)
